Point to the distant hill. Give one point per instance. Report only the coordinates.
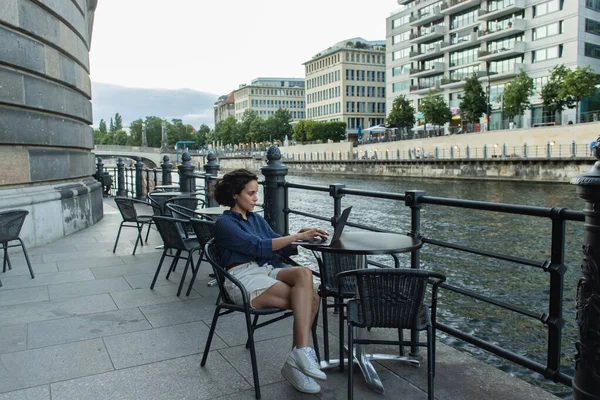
(193, 107)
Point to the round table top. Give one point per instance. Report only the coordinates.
(173, 186)
(372, 243)
(172, 194)
(212, 210)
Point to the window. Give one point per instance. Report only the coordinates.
(401, 54)
(547, 53)
(400, 21)
(360, 105)
(401, 86)
(592, 50)
(504, 44)
(552, 29)
(401, 70)
(349, 106)
(593, 4)
(401, 37)
(538, 84)
(463, 57)
(464, 18)
(503, 66)
(547, 7)
(350, 74)
(463, 73)
(371, 76)
(592, 26)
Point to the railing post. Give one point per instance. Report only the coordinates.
(524, 150)
(334, 191)
(504, 150)
(485, 151)
(274, 202)
(451, 152)
(586, 383)
(573, 149)
(211, 169)
(121, 189)
(167, 169)
(99, 169)
(548, 150)
(187, 180)
(139, 189)
(468, 152)
(437, 153)
(413, 200)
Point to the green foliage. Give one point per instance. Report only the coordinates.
(308, 130)
(516, 95)
(118, 122)
(578, 84)
(226, 130)
(111, 128)
(474, 102)
(177, 131)
(102, 126)
(402, 114)
(335, 130)
(552, 98)
(299, 134)
(278, 126)
(201, 136)
(435, 109)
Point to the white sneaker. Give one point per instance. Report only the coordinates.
(297, 379)
(305, 360)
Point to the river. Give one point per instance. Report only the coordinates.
(509, 234)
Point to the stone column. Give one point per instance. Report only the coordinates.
(46, 140)
(167, 168)
(139, 177)
(586, 383)
(211, 168)
(274, 202)
(163, 141)
(121, 190)
(187, 180)
(144, 136)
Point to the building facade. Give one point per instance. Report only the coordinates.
(433, 44)
(224, 107)
(267, 95)
(346, 83)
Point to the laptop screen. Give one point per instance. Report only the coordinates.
(341, 223)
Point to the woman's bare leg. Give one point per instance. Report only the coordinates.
(295, 291)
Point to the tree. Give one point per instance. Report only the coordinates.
(226, 130)
(201, 136)
(299, 134)
(118, 122)
(552, 99)
(335, 130)
(402, 114)
(102, 127)
(111, 128)
(474, 101)
(435, 109)
(250, 129)
(516, 95)
(578, 84)
(278, 126)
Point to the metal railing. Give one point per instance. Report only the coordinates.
(554, 266)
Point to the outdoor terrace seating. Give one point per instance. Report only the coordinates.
(11, 223)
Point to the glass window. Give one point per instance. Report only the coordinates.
(592, 50)
(459, 37)
(428, 9)
(593, 4)
(504, 44)
(503, 66)
(547, 7)
(401, 70)
(464, 18)
(401, 37)
(463, 73)
(592, 26)
(464, 56)
(547, 53)
(398, 22)
(401, 54)
(400, 86)
(495, 5)
(554, 28)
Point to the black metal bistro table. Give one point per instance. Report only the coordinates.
(362, 244)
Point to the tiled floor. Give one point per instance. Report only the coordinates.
(89, 327)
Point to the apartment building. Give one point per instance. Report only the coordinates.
(224, 107)
(346, 82)
(433, 44)
(267, 95)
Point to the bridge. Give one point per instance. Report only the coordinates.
(151, 156)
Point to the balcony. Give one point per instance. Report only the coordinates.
(517, 50)
(404, 2)
(424, 89)
(449, 83)
(509, 73)
(436, 68)
(513, 27)
(423, 19)
(464, 42)
(437, 32)
(433, 52)
(518, 5)
(453, 6)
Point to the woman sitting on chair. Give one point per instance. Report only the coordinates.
(247, 244)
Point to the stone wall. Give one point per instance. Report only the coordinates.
(46, 113)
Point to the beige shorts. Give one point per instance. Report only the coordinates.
(255, 278)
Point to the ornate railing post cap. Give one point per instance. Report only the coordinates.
(211, 157)
(166, 159)
(273, 153)
(185, 157)
(591, 178)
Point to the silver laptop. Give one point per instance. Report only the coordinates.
(339, 228)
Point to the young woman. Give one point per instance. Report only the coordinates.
(247, 244)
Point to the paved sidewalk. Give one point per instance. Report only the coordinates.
(89, 327)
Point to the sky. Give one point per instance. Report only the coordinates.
(216, 45)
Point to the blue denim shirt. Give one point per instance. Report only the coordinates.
(243, 240)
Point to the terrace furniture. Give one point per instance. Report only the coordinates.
(11, 223)
(174, 238)
(391, 298)
(227, 306)
(131, 219)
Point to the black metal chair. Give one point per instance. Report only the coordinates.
(11, 223)
(391, 298)
(188, 202)
(227, 306)
(331, 264)
(204, 231)
(174, 238)
(130, 216)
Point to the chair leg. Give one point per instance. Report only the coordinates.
(430, 363)
(27, 258)
(162, 258)
(326, 329)
(190, 260)
(118, 234)
(341, 339)
(350, 363)
(253, 356)
(314, 336)
(6, 258)
(401, 339)
(213, 325)
(139, 238)
(254, 322)
(195, 272)
(173, 263)
(148, 231)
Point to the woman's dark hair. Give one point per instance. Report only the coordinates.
(231, 184)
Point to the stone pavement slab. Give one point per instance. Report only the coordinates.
(13, 338)
(35, 393)
(87, 288)
(23, 296)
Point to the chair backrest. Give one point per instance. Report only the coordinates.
(331, 264)
(392, 298)
(213, 255)
(126, 208)
(188, 202)
(203, 229)
(171, 232)
(158, 201)
(11, 223)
